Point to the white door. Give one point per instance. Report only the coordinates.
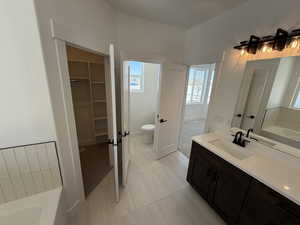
(113, 135)
(167, 125)
(254, 99)
(125, 101)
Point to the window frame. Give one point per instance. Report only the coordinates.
(206, 69)
(295, 96)
(141, 76)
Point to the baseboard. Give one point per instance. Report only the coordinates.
(75, 208)
(168, 150)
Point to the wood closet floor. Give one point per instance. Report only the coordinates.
(94, 164)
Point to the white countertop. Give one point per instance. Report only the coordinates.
(278, 170)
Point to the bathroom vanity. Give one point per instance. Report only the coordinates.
(245, 186)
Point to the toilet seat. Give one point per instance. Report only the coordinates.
(148, 127)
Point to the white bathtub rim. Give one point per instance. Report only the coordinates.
(47, 201)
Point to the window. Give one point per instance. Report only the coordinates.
(136, 76)
(296, 103)
(199, 85)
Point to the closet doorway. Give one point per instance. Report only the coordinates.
(88, 78)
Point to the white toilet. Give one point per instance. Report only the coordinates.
(148, 133)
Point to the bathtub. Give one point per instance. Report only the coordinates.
(282, 134)
(41, 209)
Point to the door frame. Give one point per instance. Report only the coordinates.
(183, 103)
(124, 165)
(213, 81)
(153, 61)
(68, 148)
(156, 134)
(70, 115)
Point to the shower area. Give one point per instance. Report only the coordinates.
(198, 91)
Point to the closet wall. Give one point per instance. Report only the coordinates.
(87, 74)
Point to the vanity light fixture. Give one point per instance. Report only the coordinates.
(253, 44)
(281, 40)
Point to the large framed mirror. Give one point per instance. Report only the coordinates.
(269, 100)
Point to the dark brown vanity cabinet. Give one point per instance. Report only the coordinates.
(231, 189)
(237, 197)
(266, 207)
(202, 172)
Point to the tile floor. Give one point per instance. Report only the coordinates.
(156, 194)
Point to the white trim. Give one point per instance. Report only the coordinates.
(71, 126)
(183, 105)
(61, 36)
(156, 130)
(154, 61)
(59, 31)
(114, 118)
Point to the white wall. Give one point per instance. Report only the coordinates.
(140, 39)
(143, 105)
(93, 24)
(26, 114)
(205, 43)
(88, 23)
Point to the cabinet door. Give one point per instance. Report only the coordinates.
(202, 173)
(232, 186)
(287, 218)
(260, 207)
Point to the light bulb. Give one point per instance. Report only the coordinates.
(294, 43)
(265, 48)
(269, 49)
(243, 52)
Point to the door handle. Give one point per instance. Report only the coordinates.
(126, 133)
(251, 117)
(162, 120)
(239, 115)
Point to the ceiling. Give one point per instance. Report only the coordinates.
(185, 13)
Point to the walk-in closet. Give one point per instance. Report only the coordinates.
(88, 78)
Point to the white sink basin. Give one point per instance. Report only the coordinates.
(233, 149)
